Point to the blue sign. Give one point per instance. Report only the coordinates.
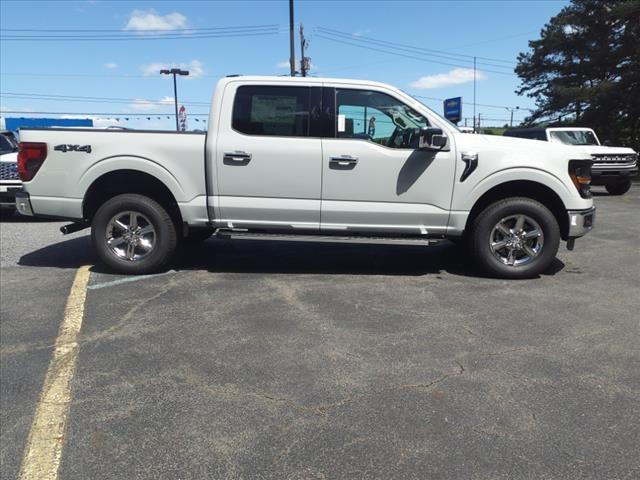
(23, 122)
(453, 109)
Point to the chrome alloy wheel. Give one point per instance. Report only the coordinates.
(130, 236)
(516, 240)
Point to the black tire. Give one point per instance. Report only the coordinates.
(618, 188)
(483, 231)
(159, 255)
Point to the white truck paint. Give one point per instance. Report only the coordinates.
(324, 182)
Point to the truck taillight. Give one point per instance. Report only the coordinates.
(30, 158)
(580, 173)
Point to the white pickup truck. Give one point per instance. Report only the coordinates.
(310, 158)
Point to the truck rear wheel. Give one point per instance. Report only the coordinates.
(133, 234)
(618, 188)
(515, 238)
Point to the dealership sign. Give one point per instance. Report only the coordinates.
(453, 109)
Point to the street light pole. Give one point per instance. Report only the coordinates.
(174, 72)
(292, 51)
(511, 109)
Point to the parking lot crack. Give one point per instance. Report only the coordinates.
(390, 388)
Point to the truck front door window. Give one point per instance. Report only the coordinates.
(573, 137)
(377, 117)
(272, 110)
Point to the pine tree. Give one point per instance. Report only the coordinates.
(585, 69)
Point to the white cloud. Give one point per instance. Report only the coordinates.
(285, 64)
(361, 32)
(195, 67)
(111, 66)
(456, 76)
(4, 109)
(141, 105)
(150, 20)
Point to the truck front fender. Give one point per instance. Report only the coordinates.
(465, 200)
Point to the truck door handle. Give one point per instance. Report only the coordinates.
(237, 157)
(343, 162)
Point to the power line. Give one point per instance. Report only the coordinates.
(438, 53)
(414, 57)
(135, 37)
(116, 114)
(54, 97)
(95, 75)
(120, 30)
(497, 39)
(501, 107)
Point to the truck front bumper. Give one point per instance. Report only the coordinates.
(23, 204)
(581, 221)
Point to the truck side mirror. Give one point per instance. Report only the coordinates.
(432, 138)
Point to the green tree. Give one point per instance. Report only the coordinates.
(585, 69)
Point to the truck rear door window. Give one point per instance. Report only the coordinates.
(272, 110)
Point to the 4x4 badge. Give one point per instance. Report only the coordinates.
(73, 148)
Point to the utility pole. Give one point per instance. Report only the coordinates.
(474, 95)
(292, 48)
(304, 61)
(174, 72)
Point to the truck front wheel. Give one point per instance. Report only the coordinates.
(618, 188)
(133, 234)
(515, 238)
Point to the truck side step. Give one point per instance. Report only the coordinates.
(240, 235)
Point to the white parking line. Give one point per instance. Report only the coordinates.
(126, 280)
(43, 452)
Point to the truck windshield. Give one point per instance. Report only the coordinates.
(451, 124)
(6, 146)
(573, 137)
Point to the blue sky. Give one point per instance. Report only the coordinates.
(347, 39)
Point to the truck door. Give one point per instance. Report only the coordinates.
(268, 164)
(373, 178)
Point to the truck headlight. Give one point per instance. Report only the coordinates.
(580, 173)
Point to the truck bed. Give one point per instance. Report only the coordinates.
(78, 157)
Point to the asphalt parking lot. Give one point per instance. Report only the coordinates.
(277, 360)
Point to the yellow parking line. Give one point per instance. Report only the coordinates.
(44, 448)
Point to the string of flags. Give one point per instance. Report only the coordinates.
(126, 119)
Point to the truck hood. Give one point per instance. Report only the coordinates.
(533, 148)
(602, 150)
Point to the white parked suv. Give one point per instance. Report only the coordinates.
(9, 180)
(612, 167)
(346, 160)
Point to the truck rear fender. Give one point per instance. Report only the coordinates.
(117, 175)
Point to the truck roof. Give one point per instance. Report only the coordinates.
(572, 129)
(288, 79)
